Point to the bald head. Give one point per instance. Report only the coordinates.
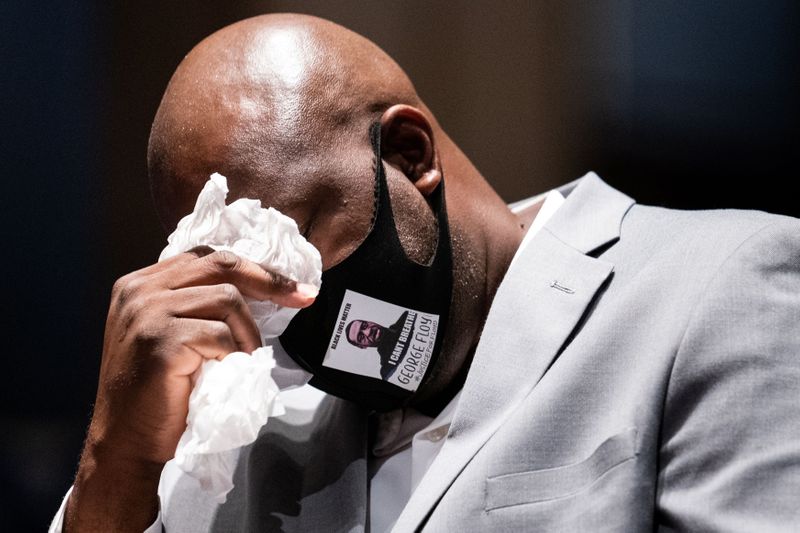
(275, 96)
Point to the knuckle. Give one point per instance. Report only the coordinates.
(120, 283)
(200, 251)
(126, 289)
(230, 296)
(225, 260)
(120, 286)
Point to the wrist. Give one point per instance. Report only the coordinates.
(107, 456)
(112, 492)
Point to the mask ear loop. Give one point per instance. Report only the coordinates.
(377, 169)
(443, 225)
(383, 214)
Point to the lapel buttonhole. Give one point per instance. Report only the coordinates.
(556, 285)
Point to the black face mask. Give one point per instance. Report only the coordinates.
(376, 328)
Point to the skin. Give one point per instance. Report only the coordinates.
(364, 334)
(281, 105)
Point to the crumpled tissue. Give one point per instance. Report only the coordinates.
(233, 398)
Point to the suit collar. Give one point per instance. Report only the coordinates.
(592, 215)
(538, 304)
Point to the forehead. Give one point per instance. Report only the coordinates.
(353, 329)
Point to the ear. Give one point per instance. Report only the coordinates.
(407, 143)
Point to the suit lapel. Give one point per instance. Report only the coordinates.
(537, 306)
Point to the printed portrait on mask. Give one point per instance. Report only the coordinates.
(381, 340)
(390, 343)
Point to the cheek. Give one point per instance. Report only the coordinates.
(340, 217)
(414, 218)
(340, 222)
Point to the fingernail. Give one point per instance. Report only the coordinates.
(307, 290)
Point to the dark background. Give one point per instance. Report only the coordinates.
(683, 104)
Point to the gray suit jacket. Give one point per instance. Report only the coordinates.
(639, 370)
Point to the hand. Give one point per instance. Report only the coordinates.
(163, 322)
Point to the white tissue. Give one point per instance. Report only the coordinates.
(233, 398)
(230, 402)
(264, 236)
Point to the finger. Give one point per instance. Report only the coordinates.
(176, 261)
(209, 339)
(247, 276)
(221, 302)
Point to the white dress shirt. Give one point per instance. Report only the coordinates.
(406, 441)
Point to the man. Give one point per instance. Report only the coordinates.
(365, 334)
(617, 367)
